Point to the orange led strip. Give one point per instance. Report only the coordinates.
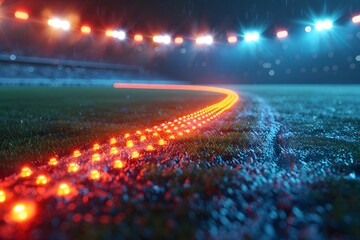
(135, 145)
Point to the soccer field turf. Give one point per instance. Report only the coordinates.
(38, 123)
(283, 163)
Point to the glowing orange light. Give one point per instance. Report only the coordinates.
(135, 154)
(127, 135)
(23, 211)
(95, 175)
(155, 134)
(138, 132)
(2, 196)
(142, 138)
(232, 39)
(113, 150)
(118, 164)
(193, 127)
(21, 15)
(172, 137)
(95, 157)
(138, 38)
(150, 148)
(25, 172)
(109, 33)
(73, 167)
(77, 153)
(356, 19)
(53, 161)
(63, 189)
(129, 144)
(180, 134)
(41, 180)
(113, 141)
(85, 29)
(187, 131)
(178, 40)
(96, 147)
(161, 142)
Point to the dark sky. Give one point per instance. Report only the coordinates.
(188, 15)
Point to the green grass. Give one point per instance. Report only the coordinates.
(37, 123)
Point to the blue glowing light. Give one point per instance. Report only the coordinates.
(252, 37)
(323, 25)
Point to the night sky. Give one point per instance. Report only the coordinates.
(188, 15)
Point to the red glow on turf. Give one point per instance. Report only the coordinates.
(23, 211)
(25, 172)
(135, 155)
(113, 141)
(96, 147)
(282, 34)
(76, 153)
(21, 15)
(118, 164)
(64, 189)
(94, 175)
(2, 196)
(150, 148)
(129, 144)
(114, 151)
(53, 162)
(85, 29)
(41, 180)
(356, 19)
(95, 157)
(73, 167)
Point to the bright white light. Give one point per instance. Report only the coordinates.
(323, 25)
(59, 24)
(164, 39)
(356, 19)
(205, 40)
(307, 29)
(252, 37)
(282, 34)
(121, 35)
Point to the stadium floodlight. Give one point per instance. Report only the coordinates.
(119, 34)
(138, 38)
(163, 39)
(178, 40)
(59, 24)
(85, 29)
(232, 39)
(323, 25)
(282, 34)
(252, 37)
(204, 40)
(356, 19)
(21, 15)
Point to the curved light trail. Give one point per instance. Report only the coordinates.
(23, 194)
